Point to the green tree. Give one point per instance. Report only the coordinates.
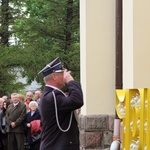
(8, 82)
(50, 30)
(44, 30)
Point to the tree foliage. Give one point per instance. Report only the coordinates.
(42, 30)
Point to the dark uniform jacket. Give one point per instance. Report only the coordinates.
(52, 137)
(16, 114)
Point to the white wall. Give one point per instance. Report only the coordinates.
(136, 44)
(97, 32)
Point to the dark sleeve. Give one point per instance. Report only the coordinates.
(75, 98)
(8, 120)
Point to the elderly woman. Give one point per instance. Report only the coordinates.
(31, 116)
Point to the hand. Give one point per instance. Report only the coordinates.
(13, 124)
(28, 125)
(79, 111)
(67, 76)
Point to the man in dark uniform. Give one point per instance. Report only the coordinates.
(59, 124)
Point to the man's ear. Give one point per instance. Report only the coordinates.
(54, 76)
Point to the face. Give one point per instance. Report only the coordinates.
(60, 79)
(29, 95)
(4, 105)
(21, 99)
(37, 94)
(15, 98)
(33, 107)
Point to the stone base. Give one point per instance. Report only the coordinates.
(96, 131)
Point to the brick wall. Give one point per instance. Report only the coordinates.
(96, 131)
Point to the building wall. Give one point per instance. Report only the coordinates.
(127, 44)
(141, 41)
(98, 51)
(136, 45)
(97, 28)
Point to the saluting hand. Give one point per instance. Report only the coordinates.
(67, 76)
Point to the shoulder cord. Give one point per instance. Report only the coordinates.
(56, 113)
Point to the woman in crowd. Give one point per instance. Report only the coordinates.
(32, 117)
(21, 98)
(3, 124)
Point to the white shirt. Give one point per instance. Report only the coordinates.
(15, 104)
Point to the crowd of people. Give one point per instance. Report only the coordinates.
(46, 120)
(19, 120)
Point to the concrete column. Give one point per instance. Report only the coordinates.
(97, 28)
(128, 43)
(136, 43)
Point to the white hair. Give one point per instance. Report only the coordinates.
(46, 78)
(14, 94)
(33, 102)
(2, 100)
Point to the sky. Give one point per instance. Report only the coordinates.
(32, 87)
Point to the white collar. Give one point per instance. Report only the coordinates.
(52, 87)
(55, 88)
(15, 104)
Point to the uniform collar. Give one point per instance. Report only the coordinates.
(55, 88)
